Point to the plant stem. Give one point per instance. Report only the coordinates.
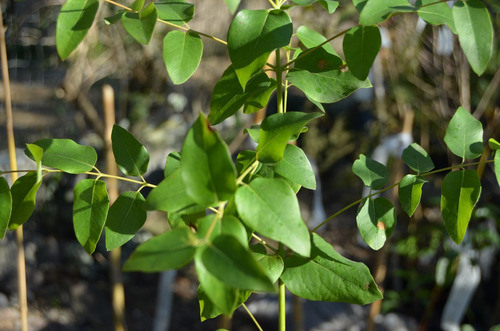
(246, 172)
(263, 242)
(252, 317)
(282, 305)
(279, 83)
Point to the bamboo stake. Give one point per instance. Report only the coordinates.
(118, 292)
(11, 143)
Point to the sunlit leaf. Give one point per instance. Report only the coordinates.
(272, 264)
(373, 174)
(141, 25)
(417, 158)
(131, 156)
(497, 166)
(232, 5)
(310, 39)
(23, 193)
(5, 206)
(328, 276)
(175, 11)
(182, 54)
(361, 45)
(460, 192)
(464, 135)
(376, 11)
(376, 220)
(410, 191)
(296, 167)
(436, 13)
(90, 209)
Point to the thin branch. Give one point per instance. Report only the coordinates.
(252, 317)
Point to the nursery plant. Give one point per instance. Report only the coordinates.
(239, 221)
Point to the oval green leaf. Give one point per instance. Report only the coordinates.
(497, 166)
(141, 25)
(252, 36)
(376, 220)
(410, 192)
(131, 156)
(182, 54)
(170, 250)
(464, 135)
(232, 5)
(377, 11)
(328, 276)
(460, 192)
(295, 166)
(23, 193)
(73, 23)
(373, 174)
(475, 32)
(5, 206)
(67, 155)
(310, 39)
(417, 158)
(90, 209)
(207, 169)
(436, 13)
(175, 11)
(125, 217)
(361, 45)
(270, 207)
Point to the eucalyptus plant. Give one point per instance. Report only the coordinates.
(224, 214)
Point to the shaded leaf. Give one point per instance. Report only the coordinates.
(361, 45)
(35, 153)
(172, 163)
(270, 207)
(464, 135)
(460, 192)
(131, 156)
(73, 23)
(141, 25)
(125, 217)
(373, 174)
(328, 276)
(182, 54)
(23, 193)
(376, 220)
(90, 210)
(410, 192)
(417, 158)
(437, 13)
(170, 250)
(272, 264)
(5, 206)
(296, 167)
(175, 11)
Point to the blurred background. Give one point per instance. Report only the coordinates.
(420, 78)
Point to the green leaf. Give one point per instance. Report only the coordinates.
(475, 32)
(373, 174)
(141, 25)
(5, 206)
(317, 60)
(270, 207)
(125, 217)
(410, 191)
(35, 153)
(172, 163)
(464, 135)
(73, 23)
(310, 39)
(207, 169)
(23, 193)
(417, 158)
(272, 264)
(131, 156)
(328, 276)
(228, 95)
(175, 11)
(460, 192)
(361, 45)
(497, 166)
(232, 5)
(377, 11)
(170, 195)
(436, 13)
(494, 145)
(137, 5)
(252, 36)
(170, 250)
(233, 227)
(67, 155)
(296, 167)
(329, 5)
(231, 263)
(327, 86)
(376, 220)
(221, 295)
(90, 210)
(276, 130)
(182, 54)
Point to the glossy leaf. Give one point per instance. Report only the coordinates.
(232, 5)
(170, 195)
(269, 206)
(296, 167)
(310, 39)
(276, 130)
(436, 13)
(317, 60)
(410, 192)
(328, 86)
(141, 25)
(125, 217)
(361, 45)
(373, 174)
(175, 11)
(73, 23)
(207, 169)
(460, 192)
(252, 36)
(464, 135)
(67, 155)
(475, 32)
(376, 220)
(377, 11)
(169, 250)
(182, 54)
(228, 96)
(131, 156)
(90, 210)
(232, 264)
(23, 193)
(5, 206)
(417, 158)
(328, 276)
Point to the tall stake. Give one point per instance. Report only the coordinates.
(9, 126)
